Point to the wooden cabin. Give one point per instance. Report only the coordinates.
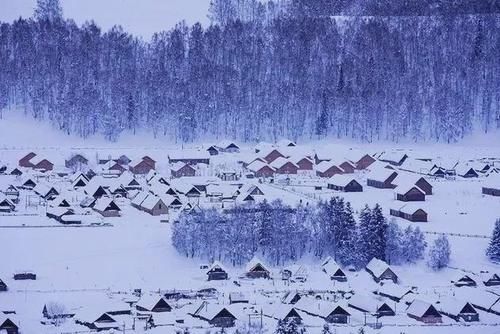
(333, 270)
(424, 312)
(394, 158)
(491, 186)
(381, 271)
(256, 269)
(217, 272)
(7, 325)
(182, 170)
(227, 147)
(153, 303)
(370, 305)
(76, 162)
(464, 280)
(189, 156)
(344, 183)
(382, 178)
(409, 193)
(457, 310)
(142, 166)
(284, 166)
(107, 207)
(411, 213)
(260, 169)
(215, 315)
(272, 155)
(327, 169)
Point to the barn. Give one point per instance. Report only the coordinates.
(344, 183)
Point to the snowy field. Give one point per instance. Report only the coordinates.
(97, 266)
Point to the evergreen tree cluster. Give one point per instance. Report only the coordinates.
(282, 234)
(261, 71)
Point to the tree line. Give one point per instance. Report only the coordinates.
(282, 234)
(261, 71)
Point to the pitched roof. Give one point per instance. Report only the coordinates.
(341, 180)
(377, 267)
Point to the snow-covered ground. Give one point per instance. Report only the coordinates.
(95, 267)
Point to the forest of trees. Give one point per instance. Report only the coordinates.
(282, 234)
(301, 69)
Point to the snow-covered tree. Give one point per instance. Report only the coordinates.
(48, 10)
(439, 253)
(394, 246)
(493, 250)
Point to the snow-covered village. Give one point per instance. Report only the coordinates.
(279, 167)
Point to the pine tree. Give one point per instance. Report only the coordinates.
(48, 10)
(439, 254)
(493, 250)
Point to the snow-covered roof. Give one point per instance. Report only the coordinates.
(103, 203)
(380, 173)
(450, 305)
(139, 198)
(418, 308)
(225, 144)
(320, 308)
(483, 298)
(367, 303)
(325, 165)
(178, 165)
(148, 301)
(377, 267)
(280, 162)
(254, 262)
(187, 154)
(151, 201)
(410, 208)
(341, 180)
(404, 187)
(492, 181)
(209, 311)
(285, 143)
(257, 165)
(330, 267)
(394, 290)
(216, 265)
